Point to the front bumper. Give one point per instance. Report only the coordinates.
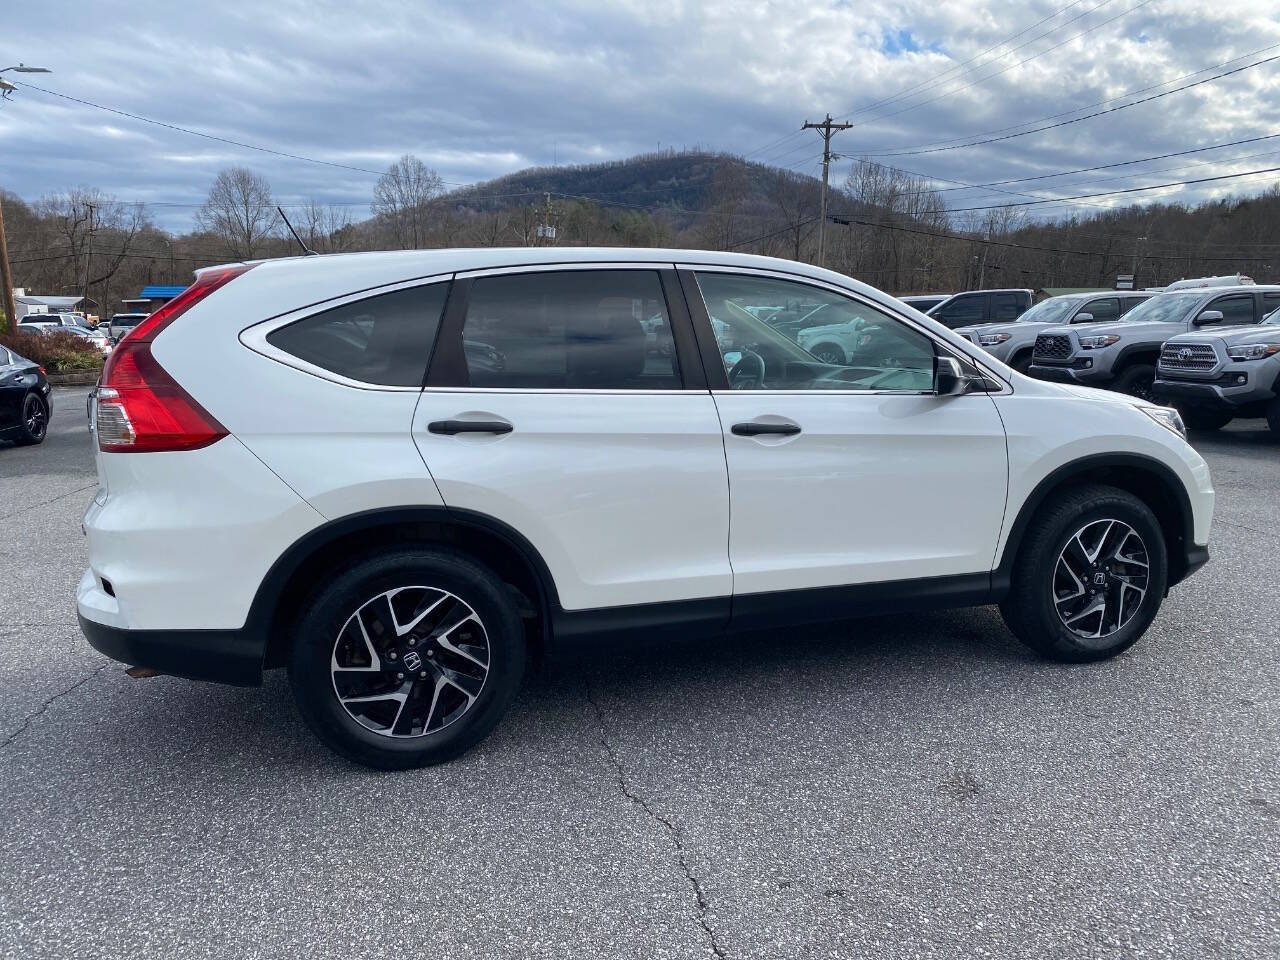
(1056, 373)
(219, 656)
(1220, 393)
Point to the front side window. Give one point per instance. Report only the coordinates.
(1238, 309)
(962, 310)
(1102, 310)
(857, 347)
(570, 330)
(384, 340)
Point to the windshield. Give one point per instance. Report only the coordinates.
(1163, 307)
(1053, 310)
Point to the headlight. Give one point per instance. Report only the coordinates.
(1168, 418)
(993, 339)
(1253, 351)
(1096, 343)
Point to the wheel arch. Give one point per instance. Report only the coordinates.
(1152, 482)
(1138, 353)
(326, 548)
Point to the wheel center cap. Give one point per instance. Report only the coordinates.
(412, 661)
(1099, 578)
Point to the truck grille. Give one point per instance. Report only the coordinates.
(1188, 356)
(1052, 346)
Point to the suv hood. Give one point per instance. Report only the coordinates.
(1106, 396)
(1003, 327)
(1238, 333)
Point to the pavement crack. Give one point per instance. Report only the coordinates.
(672, 830)
(45, 503)
(26, 721)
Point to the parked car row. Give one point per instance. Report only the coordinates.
(1209, 347)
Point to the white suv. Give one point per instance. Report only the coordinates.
(399, 473)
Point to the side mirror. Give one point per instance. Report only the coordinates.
(949, 379)
(1083, 318)
(1208, 316)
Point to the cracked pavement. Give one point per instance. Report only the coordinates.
(917, 786)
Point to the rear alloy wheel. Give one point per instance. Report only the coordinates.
(1137, 381)
(408, 658)
(1090, 575)
(35, 421)
(828, 353)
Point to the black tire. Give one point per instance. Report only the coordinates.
(1022, 363)
(829, 353)
(1030, 609)
(34, 423)
(1202, 418)
(1136, 381)
(331, 610)
(1273, 415)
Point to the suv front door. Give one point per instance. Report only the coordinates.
(844, 474)
(570, 405)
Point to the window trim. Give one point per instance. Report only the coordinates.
(448, 370)
(718, 377)
(255, 337)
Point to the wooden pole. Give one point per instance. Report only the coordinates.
(6, 278)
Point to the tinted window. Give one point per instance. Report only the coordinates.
(1269, 302)
(859, 347)
(1128, 303)
(1105, 309)
(384, 340)
(1007, 306)
(585, 329)
(1238, 309)
(961, 310)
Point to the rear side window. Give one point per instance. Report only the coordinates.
(587, 329)
(384, 340)
(1007, 306)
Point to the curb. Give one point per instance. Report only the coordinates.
(86, 378)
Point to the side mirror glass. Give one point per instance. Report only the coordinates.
(1208, 316)
(949, 378)
(1083, 318)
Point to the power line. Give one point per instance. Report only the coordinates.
(1088, 116)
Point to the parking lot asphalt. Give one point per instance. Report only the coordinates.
(916, 786)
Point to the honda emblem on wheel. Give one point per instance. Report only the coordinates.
(412, 661)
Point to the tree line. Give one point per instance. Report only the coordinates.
(889, 227)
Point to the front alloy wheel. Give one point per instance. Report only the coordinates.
(35, 420)
(1100, 579)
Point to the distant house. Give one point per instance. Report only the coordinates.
(153, 297)
(25, 303)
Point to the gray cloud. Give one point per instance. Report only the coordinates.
(480, 89)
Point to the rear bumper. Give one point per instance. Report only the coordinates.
(219, 656)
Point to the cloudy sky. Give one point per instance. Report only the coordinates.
(478, 89)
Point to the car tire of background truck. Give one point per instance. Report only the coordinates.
(1273, 415)
(1198, 418)
(1089, 576)
(407, 658)
(1022, 363)
(828, 353)
(35, 421)
(1136, 381)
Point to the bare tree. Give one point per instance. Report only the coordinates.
(239, 212)
(402, 199)
(326, 228)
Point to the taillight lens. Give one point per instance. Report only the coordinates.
(141, 408)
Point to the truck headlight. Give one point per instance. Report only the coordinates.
(993, 339)
(1168, 418)
(1253, 351)
(1098, 342)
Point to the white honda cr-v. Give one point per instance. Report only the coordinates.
(395, 474)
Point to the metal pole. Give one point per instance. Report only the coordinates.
(6, 278)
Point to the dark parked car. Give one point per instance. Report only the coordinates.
(982, 306)
(25, 401)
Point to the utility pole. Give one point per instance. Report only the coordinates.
(828, 129)
(546, 230)
(88, 257)
(6, 279)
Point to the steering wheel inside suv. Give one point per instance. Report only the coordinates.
(748, 372)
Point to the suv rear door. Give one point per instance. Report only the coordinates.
(569, 404)
(843, 475)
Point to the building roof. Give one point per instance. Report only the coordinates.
(59, 302)
(160, 291)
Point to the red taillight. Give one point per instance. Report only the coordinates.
(141, 408)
